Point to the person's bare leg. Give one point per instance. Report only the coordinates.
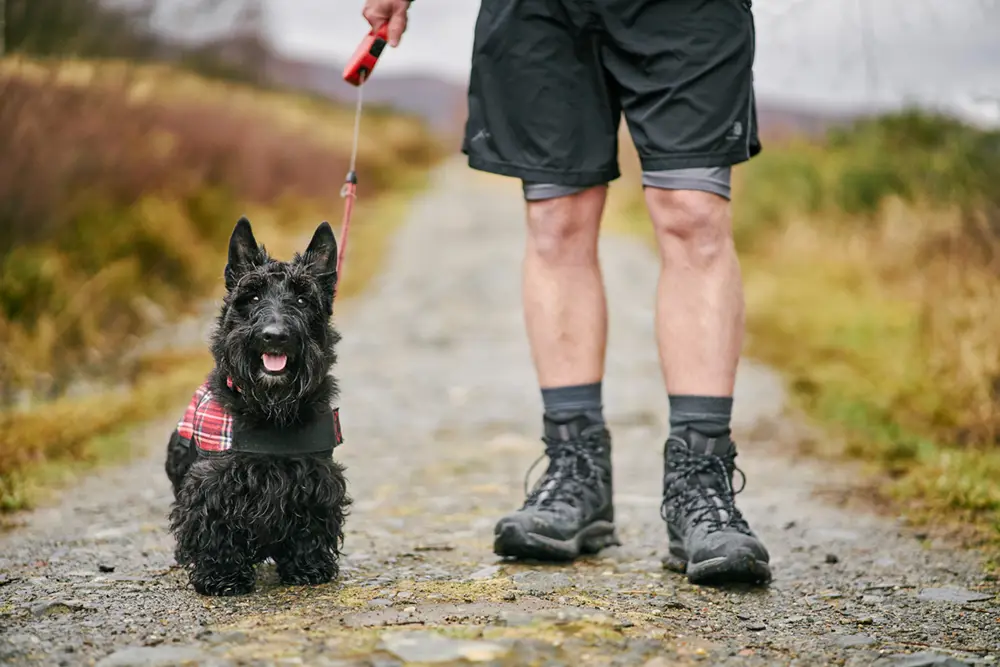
(563, 293)
(699, 325)
(569, 512)
(699, 309)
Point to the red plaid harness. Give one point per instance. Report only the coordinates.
(208, 425)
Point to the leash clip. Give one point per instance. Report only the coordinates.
(350, 186)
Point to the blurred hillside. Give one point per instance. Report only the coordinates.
(439, 102)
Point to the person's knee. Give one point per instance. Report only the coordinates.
(691, 225)
(564, 229)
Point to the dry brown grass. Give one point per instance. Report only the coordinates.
(39, 448)
(891, 351)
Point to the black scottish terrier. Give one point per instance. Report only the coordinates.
(251, 462)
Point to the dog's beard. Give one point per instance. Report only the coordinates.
(276, 397)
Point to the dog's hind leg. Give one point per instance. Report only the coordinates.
(181, 454)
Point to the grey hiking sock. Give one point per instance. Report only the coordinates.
(562, 403)
(708, 415)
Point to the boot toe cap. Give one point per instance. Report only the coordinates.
(723, 543)
(536, 523)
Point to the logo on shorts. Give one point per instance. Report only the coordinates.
(736, 131)
(481, 135)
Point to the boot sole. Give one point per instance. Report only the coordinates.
(741, 567)
(512, 541)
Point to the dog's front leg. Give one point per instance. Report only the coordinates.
(306, 562)
(225, 577)
(311, 553)
(224, 562)
(215, 548)
(302, 564)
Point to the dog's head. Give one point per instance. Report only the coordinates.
(274, 338)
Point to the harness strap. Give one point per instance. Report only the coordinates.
(312, 438)
(319, 436)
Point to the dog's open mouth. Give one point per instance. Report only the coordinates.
(274, 363)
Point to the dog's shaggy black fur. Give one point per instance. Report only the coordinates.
(235, 510)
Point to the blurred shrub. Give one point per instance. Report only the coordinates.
(861, 188)
(79, 27)
(779, 183)
(920, 158)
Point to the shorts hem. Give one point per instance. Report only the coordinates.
(583, 179)
(692, 160)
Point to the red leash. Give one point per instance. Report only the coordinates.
(357, 71)
(349, 192)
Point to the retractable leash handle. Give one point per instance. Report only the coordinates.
(356, 72)
(365, 57)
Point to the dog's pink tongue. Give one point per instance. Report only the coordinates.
(275, 362)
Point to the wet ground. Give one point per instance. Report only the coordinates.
(441, 419)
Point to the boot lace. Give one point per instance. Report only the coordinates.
(572, 471)
(701, 502)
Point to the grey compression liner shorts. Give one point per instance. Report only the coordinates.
(707, 179)
(551, 78)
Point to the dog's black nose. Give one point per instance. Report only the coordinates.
(274, 334)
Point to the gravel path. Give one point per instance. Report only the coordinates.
(441, 418)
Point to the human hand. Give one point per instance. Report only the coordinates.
(377, 12)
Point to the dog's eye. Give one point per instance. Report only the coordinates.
(254, 299)
(301, 301)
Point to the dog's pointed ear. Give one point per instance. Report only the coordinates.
(321, 255)
(244, 253)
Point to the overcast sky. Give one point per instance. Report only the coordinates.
(809, 51)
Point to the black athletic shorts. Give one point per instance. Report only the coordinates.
(551, 78)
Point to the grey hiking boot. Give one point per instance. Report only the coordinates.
(709, 538)
(569, 511)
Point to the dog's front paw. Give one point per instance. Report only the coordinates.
(218, 584)
(308, 573)
(306, 578)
